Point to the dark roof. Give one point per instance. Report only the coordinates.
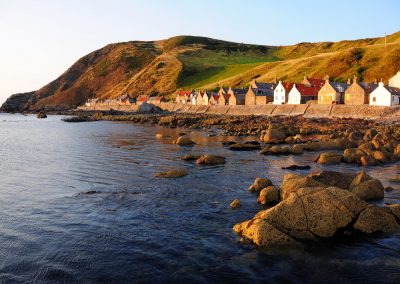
(239, 91)
(339, 87)
(368, 87)
(261, 85)
(393, 90)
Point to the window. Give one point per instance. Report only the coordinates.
(374, 99)
(392, 98)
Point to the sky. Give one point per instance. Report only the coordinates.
(40, 39)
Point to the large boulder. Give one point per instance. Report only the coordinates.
(366, 187)
(259, 184)
(292, 182)
(297, 149)
(329, 158)
(353, 155)
(210, 160)
(148, 108)
(313, 213)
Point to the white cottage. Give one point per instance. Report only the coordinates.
(294, 96)
(281, 93)
(384, 96)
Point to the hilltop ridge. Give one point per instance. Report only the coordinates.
(161, 67)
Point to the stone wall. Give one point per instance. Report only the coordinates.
(311, 110)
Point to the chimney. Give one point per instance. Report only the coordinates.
(348, 81)
(326, 78)
(375, 81)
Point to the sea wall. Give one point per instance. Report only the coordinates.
(312, 110)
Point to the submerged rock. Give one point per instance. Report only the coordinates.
(184, 141)
(210, 160)
(296, 167)
(191, 157)
(244, 147)
(235, 204)
(175, 173)
(329, 158)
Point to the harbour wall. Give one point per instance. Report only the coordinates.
(307, 110)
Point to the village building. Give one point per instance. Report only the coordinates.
(384, 96)
(91, 102)
(156, 100)
(141, 99)
(358, 92)
(222, 96)
(395, 80)
(301, 94)
(203, 98)
(214, 99)
(332, 92)
(183, 97)
(313, 82)
(193, 98)
(236, 96)
(281, 93)
(126, 100)
(259, 93)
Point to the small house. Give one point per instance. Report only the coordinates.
(301, 94)
(384, 96)
(332, 92)
(141, 99)
(262, 94)
(203, 98)
(156, 100)
(236, 96)
(358, 93)
(281, 93)
(214, 99)
(183, 97)
(126, 100)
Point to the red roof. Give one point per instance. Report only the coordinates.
(141, 99)
(316, 82)
(182, 93)
(307, 91)
(287, 86)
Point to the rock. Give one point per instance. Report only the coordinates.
(191, 157)
(244, 147)
(268, 195)
(263, 234)
(274, 135)
(376, 219)
(395, 179)
(296, 167)
(175, 173)
(235, 204)
(329, 158)
(259, 184)
(353, 155)
(369, 190)
(210, 160)
(91, 192)
(305, 215)
(297, 149)
(336, 179)
(228, 143)
(368, 161)
(184, 141)
(41, 115)
(292, 182)
(395, 209)
(370, 134)
(148, 108)
(381, 157)
(159, 135)
(275, 150)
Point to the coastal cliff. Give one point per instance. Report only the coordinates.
(161, 67)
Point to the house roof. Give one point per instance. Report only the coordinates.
(287, 86)
(315, 82)
(261, 85)
(158, 98)
(339, 87)
(368, 87)
(142, 98)
(307, 91)
(393, 90)
(182, 93)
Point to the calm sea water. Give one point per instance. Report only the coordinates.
(138, 228)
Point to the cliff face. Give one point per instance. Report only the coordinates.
(161, 67)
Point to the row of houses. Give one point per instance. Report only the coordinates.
(321, 91)
(124, 100)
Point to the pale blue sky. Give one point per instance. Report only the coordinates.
(41, 38)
